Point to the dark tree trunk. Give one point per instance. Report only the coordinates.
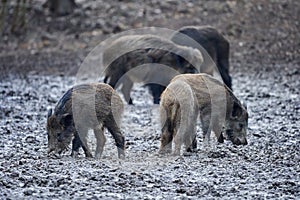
(61, 7)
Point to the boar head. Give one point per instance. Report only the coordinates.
(60, 131)
(237, 124)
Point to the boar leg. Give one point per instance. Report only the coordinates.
(191, 141)
(100, 137)
(180, 130)
(206, 128)
(114, 129)
(221, 138)
(177, 142)
(76, 144)
(225, 74)
(218, 134)
(156, 90)
(82, 132)
(126, 88)
(223, 62)
(114, 79)
(190, 136)
(194, 143)
(218, 130)
(168, 132)
(87, 152)
(226, 78)
(166, 141)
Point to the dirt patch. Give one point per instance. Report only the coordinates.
(267, 167)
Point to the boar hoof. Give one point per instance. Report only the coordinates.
(88, 155)
(164, 151)
(221, 138)
(74, 154)
(156, 101)
(98, 156)
(187, 153)
(239, 142)
(87, 152)
(121, 154)
(176, 153)
(130, 102)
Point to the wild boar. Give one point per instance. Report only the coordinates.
(128, 52)
(88, 106)
(189, 95)
(212, 44)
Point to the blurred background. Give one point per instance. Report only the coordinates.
(54, 36)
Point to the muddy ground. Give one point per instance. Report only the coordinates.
(40, 64)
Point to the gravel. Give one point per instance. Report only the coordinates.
(268, 167)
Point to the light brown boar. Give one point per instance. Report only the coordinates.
(189, 95)
(128, 52)
(88, 106)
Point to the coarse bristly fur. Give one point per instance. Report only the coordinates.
(88, 106)
(189, 95)
(212, 44)
(128, 52)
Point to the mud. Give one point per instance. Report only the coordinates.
(268, 167)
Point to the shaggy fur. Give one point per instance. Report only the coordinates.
(128, 52)
(84, 107)
(213, 46)
(189, 95)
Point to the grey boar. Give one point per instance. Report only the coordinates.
(213, 46)
(87, 106)
(189, 95)
(128, 52)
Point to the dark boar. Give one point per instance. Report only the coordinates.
(212, 42)
(88, 106)
(128, 52)
(190, 94)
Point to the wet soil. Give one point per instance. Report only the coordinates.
(39, 66)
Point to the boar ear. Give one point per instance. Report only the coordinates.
(49, 113)
(236, 110)
(66, 119)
